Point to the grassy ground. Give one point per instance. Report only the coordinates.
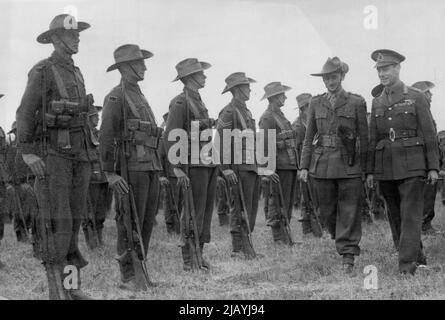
(309, 270)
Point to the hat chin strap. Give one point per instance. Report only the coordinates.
(71, 51)
(137, 75)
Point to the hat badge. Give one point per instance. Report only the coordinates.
(380, 57)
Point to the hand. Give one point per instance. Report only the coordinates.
(303, 175)
(230, 176)
(432, 176)
(116, 182)
(275, 178)
(370, 181)
(164, 181)
(35, 163)
(183, 180)
(442, 173)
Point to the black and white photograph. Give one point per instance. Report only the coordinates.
(220, 154)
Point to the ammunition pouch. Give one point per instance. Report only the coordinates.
(144, 133)
(207, 123)
(287, 140)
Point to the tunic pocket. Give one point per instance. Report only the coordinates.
(414, 151)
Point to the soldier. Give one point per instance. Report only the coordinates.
(241, 176)
(283, 179)
(173, 196)
(430, 190)
(337, 162)
(127, 113)
(300, 125)
(98, 192)
(53, 140)
(402, 152)
(201, 177)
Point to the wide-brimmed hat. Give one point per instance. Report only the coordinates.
(303, 99)
(62, 22)
(386, 57)
(377, 90)
(273, 89)
(332, 65)
(13, 128)
(236, 79)
(423, 86)
(128, 53)
(190, 66)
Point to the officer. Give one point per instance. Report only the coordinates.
(98, 191)
(402, 153)
(284, 178)
(144, 164)
(53, 138)
(173, 197)
(199, 174)
(430, 189)
(240, 173)
(337, 162)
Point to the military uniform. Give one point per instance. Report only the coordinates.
(402, 148)
(334, 171)
(144, 164)
(2, 188)
(183, 109)
(236, 115)
(286, 163)
(63, 191)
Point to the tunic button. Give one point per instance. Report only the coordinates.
(389, 118)
(389, 109)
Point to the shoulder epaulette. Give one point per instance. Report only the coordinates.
(414, 89)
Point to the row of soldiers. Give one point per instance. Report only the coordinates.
(332, 150)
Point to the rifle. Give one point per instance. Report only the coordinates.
(251, 251)
(129, 212)
(90, 226)
(49, 253)
(20, 212)
(307, 198)
(285, 223)
(369, 203)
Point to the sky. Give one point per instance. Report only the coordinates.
(270, 40)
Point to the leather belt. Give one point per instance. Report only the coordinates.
(328, 141)
(400, 134)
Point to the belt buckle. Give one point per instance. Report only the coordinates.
(392, 135)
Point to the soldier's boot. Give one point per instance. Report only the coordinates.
(277, 234)
(237, 245)
(186, 257)
(306, 226)
(223, 219)
(54, 275)
(205, 263)
(21, 236)
(77, 293)
(348, 263)
(100, 236)
(36, 247)
(428, 229)
(421, 258)
(170, 228)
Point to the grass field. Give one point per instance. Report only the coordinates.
(309, 270)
